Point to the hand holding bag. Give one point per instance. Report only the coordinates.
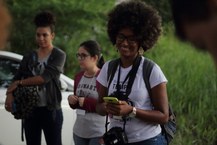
(25, 99)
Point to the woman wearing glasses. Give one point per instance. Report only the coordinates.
(134, 26)
(89, 126)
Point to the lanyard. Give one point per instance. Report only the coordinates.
(131, 75)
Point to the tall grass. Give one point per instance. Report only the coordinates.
(192, 91)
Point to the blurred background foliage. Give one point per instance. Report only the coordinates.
(192, 86)
(77, 21)
(163, 8)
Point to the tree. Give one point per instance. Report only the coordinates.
(77, 21)
(163, 6)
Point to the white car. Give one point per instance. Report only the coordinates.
(10, 128)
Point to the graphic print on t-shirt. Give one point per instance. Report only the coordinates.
(87, 87)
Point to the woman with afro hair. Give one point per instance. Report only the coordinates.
(42, 67)
(134, 26)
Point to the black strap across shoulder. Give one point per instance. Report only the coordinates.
(131, 75)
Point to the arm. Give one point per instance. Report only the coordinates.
(89, 104)
(21, 72)
(73, 99)
(53, 69)
(159, 99)
(36, 80)
(159, 115)
(101, 105)
(54, 66)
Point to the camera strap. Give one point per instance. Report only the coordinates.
(131, 75)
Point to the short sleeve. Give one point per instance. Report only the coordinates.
(157, 76)
(102, 77)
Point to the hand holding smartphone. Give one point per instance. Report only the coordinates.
(113, 100)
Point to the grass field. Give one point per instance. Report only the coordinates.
(192, 90)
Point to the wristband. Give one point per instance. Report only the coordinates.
(133, 113)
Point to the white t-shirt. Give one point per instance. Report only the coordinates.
(136, 129)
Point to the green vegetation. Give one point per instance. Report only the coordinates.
(77, 21)
(192, 78)
(192, 90)
(163, 8)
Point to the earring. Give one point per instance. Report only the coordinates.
(141, 51)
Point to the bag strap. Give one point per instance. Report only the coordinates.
(146, 70)
(22, 130)
(112, 67)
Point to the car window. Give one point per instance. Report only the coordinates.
(8, 69)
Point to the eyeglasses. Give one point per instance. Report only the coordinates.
(81, 56)
(132, 40)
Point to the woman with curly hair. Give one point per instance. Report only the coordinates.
(132, 26)
(42, 67)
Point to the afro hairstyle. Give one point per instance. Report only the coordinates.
(140, 17)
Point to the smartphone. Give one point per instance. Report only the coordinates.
(111, 100)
